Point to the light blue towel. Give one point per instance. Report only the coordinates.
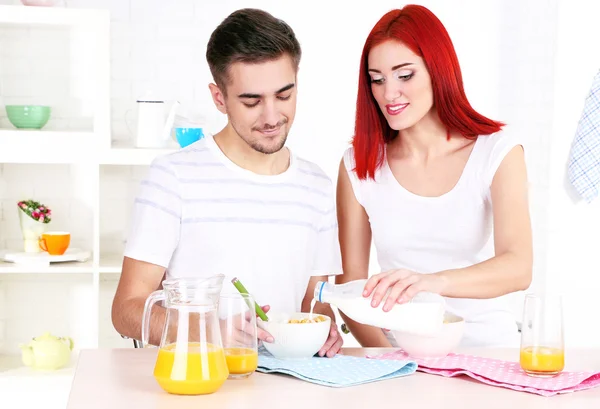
(338, 372)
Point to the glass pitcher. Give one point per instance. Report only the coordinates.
(191, 360)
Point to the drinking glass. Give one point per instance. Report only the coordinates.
(542, 339)
(238, 330)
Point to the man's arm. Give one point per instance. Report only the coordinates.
(138, 280)
(154, 236)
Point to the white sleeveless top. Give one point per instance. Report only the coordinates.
(431, 234)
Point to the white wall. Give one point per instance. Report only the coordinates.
(573, 265)
(522, 64)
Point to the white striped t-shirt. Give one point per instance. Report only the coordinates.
(198, 214)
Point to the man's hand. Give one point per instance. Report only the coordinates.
(334, 342)
(237, 330)
(261, 334)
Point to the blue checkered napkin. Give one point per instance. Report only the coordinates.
(584, 161)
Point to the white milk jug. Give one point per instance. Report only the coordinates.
(423, 315)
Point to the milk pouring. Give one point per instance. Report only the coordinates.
(423, 315)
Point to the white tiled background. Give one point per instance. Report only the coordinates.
(51, 185)
(118, 187)
(31, 302)
(519, 66)
(41, 66)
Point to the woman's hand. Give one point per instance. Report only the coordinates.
(404, 285)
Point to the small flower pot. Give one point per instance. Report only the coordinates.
(32, 231)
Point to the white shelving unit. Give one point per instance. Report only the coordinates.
(66, 165)
(26, 146)
(124, 155)
(86, 267)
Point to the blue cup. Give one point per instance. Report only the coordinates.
(187, 136)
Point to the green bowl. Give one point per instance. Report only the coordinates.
(28, 116)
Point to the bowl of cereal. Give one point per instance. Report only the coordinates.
(296, 335)
(433, 346)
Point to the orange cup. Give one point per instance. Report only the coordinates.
(55, 242)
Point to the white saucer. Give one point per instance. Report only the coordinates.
(72, 254)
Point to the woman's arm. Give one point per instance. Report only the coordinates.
(355, 244)
(508, 271)
(511, 269)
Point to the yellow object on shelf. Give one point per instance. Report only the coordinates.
(47, 352)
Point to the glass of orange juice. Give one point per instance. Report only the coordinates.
(238, 330)
(542, 340)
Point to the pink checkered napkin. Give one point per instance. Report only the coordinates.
(500, 373)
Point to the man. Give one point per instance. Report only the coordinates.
(239, 203)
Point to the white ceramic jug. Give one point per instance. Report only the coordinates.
(154, 123)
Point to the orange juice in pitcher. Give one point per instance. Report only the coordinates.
(192, 369)
(191, 359)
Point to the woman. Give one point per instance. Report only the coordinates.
(429, 179)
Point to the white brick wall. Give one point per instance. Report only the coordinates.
(118, 187)
(37, 67)
(510, 70)
(35, 303)
(31, 304)
(48, 184)
(62, 304)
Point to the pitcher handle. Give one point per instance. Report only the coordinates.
(70, 340)
(126, 120)
(152, 299)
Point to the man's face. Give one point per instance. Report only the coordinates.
(260, 102)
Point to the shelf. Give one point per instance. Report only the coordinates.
(39, 146)
(51, 16)
(131, 156)
(111, 263)
(39, 262)
(56, 268)
(70, 267)
(12, 366)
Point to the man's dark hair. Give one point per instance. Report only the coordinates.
(249, 36)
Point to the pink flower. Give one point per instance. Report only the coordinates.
(41, 219)
(35, 214)
(23, 205)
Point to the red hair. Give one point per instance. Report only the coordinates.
(420, 30)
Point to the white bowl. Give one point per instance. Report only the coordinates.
(433, 346)
(294, 341)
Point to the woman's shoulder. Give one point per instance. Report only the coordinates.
(348, 158)
(494, 149)
(500, 143)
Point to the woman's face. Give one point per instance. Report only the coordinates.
(400, 84)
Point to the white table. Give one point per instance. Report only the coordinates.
(122, 378)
